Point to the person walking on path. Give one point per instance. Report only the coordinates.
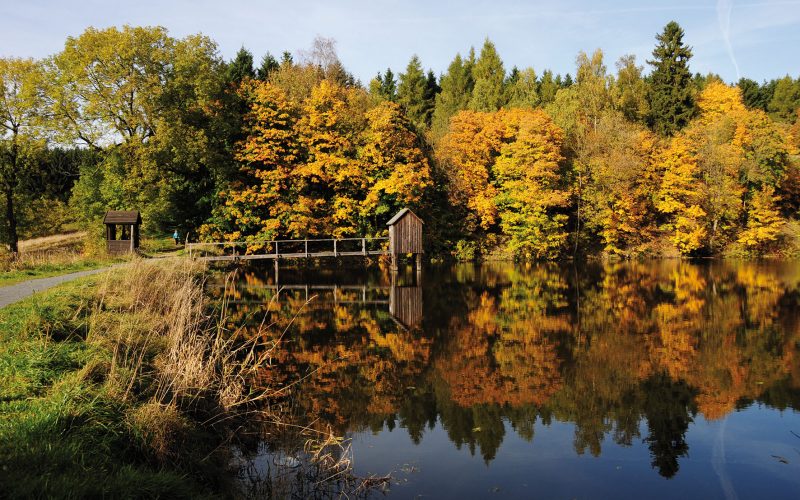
(175, 236)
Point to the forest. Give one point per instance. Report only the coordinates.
(647, 160)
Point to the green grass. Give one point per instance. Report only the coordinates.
(62, 433)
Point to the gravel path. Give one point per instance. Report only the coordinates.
(14, 293)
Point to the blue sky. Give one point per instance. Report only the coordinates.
(754, 38)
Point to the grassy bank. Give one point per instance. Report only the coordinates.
(86, 403)
(123, 385)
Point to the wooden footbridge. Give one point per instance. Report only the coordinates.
(405, 237)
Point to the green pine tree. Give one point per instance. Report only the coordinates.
(432, 89)
(268, 65)
(241, 66)
(753, 94)
(671, 97)
(389, 85)
(383, 86)
(489, 76)
(411, 93)
(456, 91)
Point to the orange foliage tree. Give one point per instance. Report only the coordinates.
(505, 171)
(324, 165)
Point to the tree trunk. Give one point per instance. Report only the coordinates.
(12, 222)
(10, 185)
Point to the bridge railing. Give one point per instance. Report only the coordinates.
(287, 249)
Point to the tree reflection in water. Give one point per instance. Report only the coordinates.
(604, 346)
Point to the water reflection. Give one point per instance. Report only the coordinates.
(631, 352)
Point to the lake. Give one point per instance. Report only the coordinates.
(658, 379)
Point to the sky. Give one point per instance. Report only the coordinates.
(758, 39)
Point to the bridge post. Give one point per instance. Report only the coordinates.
(335, 252)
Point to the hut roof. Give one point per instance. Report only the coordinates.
(122, 217)
(402, 213)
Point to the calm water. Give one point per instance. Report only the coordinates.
(660, 380)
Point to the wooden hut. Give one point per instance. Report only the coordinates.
(122, 230)
(405, 236)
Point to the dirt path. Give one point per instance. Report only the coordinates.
(14, 293)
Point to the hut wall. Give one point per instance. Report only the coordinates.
(406, 235)
(119, 246)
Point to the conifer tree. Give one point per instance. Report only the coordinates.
(754, 95)
(383, 86)
(241, 66)
(389, 85)
(671, 99)
(268, 65)
(411, 92)
(432, 89)
(456, 90)
(489, 77)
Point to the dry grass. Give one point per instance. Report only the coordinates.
(53, 242)
(178, 370)
(41, 258)
(166, 344)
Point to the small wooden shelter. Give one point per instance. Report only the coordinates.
(405, 236)
(122, 230)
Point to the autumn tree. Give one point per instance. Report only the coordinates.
(531, 199)
(396, 166)
(630, 90)
(680, 196)
(21, 108)
(256, 208)
(620, 178)
(504, 168)
(764, 221)
(327, 165)
(671, 99)
(785, 99)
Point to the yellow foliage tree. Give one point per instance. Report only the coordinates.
(505, 167)
(323, 166)
(680, 196)
(764, 221)
(392, 158)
